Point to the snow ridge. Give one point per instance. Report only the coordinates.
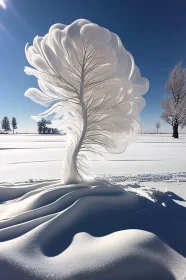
(143, 177)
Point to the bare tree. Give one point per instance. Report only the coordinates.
(158, 124)
(174, 104)
(94, 87)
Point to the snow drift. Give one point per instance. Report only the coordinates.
(50, 231)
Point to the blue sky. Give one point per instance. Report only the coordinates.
(153, 31)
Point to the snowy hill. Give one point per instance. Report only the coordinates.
(134, 228)
(98, 232)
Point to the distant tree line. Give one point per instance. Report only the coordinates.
(155, 133)
(6, 127)
(43, 127)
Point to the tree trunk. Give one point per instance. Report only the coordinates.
(73, 176)
(157, 130)
(175, 130)
(13, 130)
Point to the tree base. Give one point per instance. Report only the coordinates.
(175, 131)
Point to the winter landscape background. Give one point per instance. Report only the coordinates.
(135, 228)
(128, 221)
(157, 157)
(155, 161)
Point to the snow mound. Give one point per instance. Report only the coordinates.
(51, 231)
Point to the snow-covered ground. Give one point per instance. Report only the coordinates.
(156, 157)
(151, 159)
(132, 229)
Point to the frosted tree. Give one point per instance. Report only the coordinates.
(174, 104)
(14, 124)
(158, 125)
(93, 87)
(5, 124)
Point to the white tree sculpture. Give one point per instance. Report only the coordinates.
(93, 86)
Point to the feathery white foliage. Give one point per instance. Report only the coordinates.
(93, 87)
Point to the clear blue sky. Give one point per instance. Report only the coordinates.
(153, 31)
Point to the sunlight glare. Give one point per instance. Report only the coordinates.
(3, 4)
